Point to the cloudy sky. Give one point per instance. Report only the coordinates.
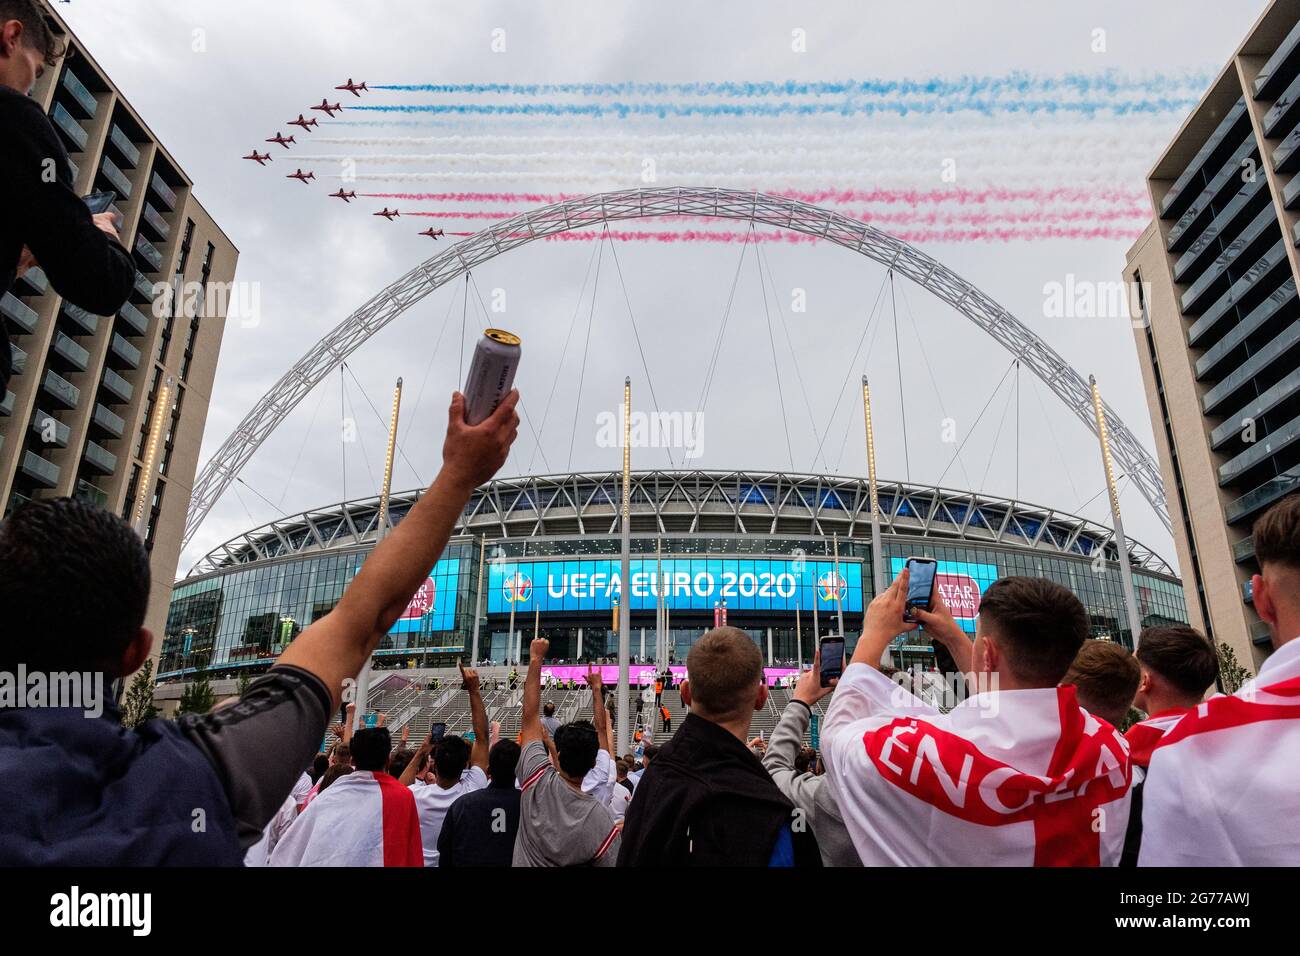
(1007, 139)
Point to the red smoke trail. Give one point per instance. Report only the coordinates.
(909, 197)
(911, 236)
(903, 217)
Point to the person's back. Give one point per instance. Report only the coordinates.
(706, 800)
(1223, 785)
(481, 826)
(1015, 775)
(453, 779)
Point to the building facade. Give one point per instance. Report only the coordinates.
(1219, 333)
(544, 552)
(111, 409)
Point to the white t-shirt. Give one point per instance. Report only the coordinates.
(619, 798)
(601, 777)
(432, 802)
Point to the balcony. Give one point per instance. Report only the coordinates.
(117, 385)
(82, 99)
(113, 424)
(19, 359)
(1269, 445)
(1275, 72)
(1272, 396)
(143, 287)
(43, 472)
(1192, 174)
(1244, 549)
(64, 393)
(84, 320)
(154, 220)
(146, 251)
(7, 404)
(50, 430)
(68, 349)
(1260, 270)
(133, 317)
(89, 493)
(1241, 376)
(1227, 178)
(1264, 224)
(1281, 297)
(124, 350)
(115, 176)
(36, 280)
(22, 314)
(99, 459)
(125, 148)
(1251, 503)
(76, 170)
(164, 192)
(72, 131)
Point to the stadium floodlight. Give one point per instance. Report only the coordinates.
(1121, 543)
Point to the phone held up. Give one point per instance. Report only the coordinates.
(920, 586)
(832, 658)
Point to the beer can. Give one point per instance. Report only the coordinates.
(491, 373)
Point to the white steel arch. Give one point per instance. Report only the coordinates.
(932, 276)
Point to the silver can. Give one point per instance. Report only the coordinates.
(491, 373)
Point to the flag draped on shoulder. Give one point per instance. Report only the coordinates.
(1144, 736)
(363, 819)
(1013, 778)
(1223, 787)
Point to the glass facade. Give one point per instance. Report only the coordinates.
(239, 619)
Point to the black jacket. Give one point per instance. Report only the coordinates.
(42, 212)
(706, 800)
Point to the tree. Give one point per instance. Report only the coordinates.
(198, 697)
(1232, 674)
(137, 706)
(241, 686)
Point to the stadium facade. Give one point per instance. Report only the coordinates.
(547, 548)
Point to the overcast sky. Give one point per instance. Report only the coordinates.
(214, 95)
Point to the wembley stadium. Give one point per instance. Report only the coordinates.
(789, 554)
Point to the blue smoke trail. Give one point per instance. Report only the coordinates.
(1109, 83)
(664, 110)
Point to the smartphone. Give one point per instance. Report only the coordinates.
(920, 586)
(437, 732)
(832, 656)
(100, 201)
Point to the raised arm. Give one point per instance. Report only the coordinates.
(599, 715)
(478, 756)
(336, 646)
(531, 728)
(939, 624)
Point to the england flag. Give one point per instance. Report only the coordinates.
(362, 819)
(1006, 778)
(1223, 788)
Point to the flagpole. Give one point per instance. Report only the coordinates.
(625, 580)
(478, 600)
(381, 531)
(1121, 543)
(659, 603)
(877, 552)
(839, 602)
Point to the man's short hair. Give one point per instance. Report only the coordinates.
(450, 757)
(548, 709)
(370, 749)
(1105, 678)
(398, 761)
(503, 758)
(651, 751)
(1181, 656)
(621, 767)
(724, 668)
(577, 744)
(1277, 534)
(342, 753)
(1038, 623)
(39, 31)
(74, 587)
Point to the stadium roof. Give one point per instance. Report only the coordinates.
(719, 503)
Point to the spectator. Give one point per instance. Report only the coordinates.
(364, 818)
(549, 720)
(1105, 678)
(1016, 774)
(559, 825)
(1177, 666)
(1223, 787)
(648, 754)
(482, 825)
(788, 764)
(666, 716)
(46, 224)
(115, 797)
(706, 800)
(621, 793)
(451, 778)
(259, 853)
(599, 781)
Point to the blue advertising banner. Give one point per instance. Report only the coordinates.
(962, 584)
(433, 608)
(746, 584)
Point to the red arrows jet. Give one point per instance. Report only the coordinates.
(301, 176)
(261, 159)
(388, 214)
(432, 233)
(345, 196)
(353, 88)
(327, 109)
(281, 139)
(304, 123)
